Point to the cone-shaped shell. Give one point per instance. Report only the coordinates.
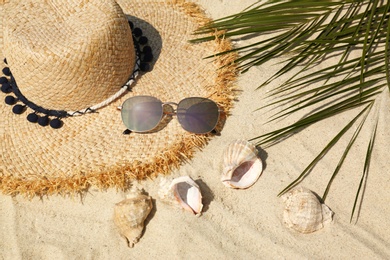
(241, 165)
(129, 217)
(184, 193)
(304, 212)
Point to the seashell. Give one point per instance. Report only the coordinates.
(241, 165)
(304, 212)
(182, 192)
(130, 215)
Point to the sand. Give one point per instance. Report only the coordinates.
(236, 224)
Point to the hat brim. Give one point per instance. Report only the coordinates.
(91, 149)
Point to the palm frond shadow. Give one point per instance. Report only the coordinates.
(352, 36)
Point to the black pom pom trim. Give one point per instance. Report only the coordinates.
(9, 85)
(144, 67)
(137, 32)
(5, 61)
(32, 117)
(10, 100)
(147, 49)
(148, 57)
(3, 80)
(143, 40)
(144, 54)
(6, 71)
(18, 109)
(43, 121)
(6, 88)
(56, 123)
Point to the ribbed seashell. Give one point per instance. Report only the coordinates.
(130, 215)
(304, 212)
(241, 165)
(182, 192)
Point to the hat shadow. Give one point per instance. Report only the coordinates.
(154, 38)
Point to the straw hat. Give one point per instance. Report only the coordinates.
(78, 57)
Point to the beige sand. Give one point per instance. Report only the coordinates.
(235, 224)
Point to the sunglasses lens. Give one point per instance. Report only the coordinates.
(198, 115)
(141, 113)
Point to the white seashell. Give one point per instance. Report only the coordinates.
(182, 192)
(304, 212)
(129, 217)
(241, 165)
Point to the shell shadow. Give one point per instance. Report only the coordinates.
(263, 155)
(149, 217)
(151, 214)
(207, 194)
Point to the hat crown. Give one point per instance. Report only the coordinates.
(68, 55)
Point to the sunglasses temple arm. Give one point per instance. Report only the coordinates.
(127, 132)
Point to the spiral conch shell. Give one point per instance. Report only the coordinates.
(130, 215)
(182, 192)
(241, 165)
(304, 212)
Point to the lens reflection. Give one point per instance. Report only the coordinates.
(141, 113)
(198, 115)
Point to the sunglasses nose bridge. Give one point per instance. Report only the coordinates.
(171, 103)
(174, 112)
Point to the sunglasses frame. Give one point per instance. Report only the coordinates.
(175, 112)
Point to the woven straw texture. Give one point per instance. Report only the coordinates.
(91, 149)
(88, 43)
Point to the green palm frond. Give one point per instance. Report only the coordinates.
(356, 31)
(365, 171)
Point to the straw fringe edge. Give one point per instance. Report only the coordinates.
(121, 175)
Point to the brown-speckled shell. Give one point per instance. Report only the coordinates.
(130, 215)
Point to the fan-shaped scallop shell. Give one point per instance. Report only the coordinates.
(182, 192)
(241, 165)
(304, 212)
(130, 215)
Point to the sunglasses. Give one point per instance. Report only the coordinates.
(195, 114)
